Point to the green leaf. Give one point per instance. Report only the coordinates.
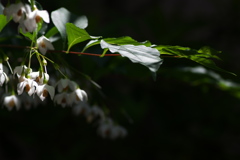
(27, 34)
(126, 40)
(208, 63)
(62, 16)
(147, 56)
(76, 35)
(51, 32)
(117, 41)
(203, 56)
(3, 21)
(90, 44)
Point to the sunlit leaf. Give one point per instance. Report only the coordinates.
(126, 40)
(118, 41)
(75, 35)
(144, 55)
(203, 56)
(3, 21)
(62, 16)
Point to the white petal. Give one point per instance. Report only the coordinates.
(20, 87)
(62, 84)
(30, 24)
(44, 14)
(11, 101)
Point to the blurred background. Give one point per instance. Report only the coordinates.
(180, 116)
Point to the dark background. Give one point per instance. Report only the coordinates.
(166, 119)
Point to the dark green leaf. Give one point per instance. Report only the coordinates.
(203, 56)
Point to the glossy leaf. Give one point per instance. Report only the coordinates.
(75, 35)
(118, 41)
(62, 16)
(147, 56)
(3, 21)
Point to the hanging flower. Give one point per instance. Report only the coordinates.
(94, 112)
(11, 101)
(81, 108)
(16, 11)
(118, 132)
(21, 70)
(38, 78)
(78, 95)
(28, 85)
(104, 128)
(44, 90)
(44, 44)
(107, 129)
(34, 17)
(66, 85)
(3, 76)
(62, 99)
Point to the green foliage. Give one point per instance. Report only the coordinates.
(117, 41)
(3, 21)
(76, 35)
(28, 35)
(62, 16)
(147, 56)
(53, 31)
(203, 56)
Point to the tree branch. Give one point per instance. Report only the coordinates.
(56, 51)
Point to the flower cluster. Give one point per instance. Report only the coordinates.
(32, 89)
(27, 18)
(106, 127)
(25, 86)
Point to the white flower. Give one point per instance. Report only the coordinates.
(81, 108)
(104, 128)
(94, 112)
(78, 95)
(21, 70)
(22, 27)
(11, 101)
(62, 99)
(117, 132)
(44, 90)
(29, 24)
(65, 85)
(34, 17)
(28, 84)
(41, 14)
(36, 77)
(44, 44)
(3, 75)
(107, 129)
(16, 11)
